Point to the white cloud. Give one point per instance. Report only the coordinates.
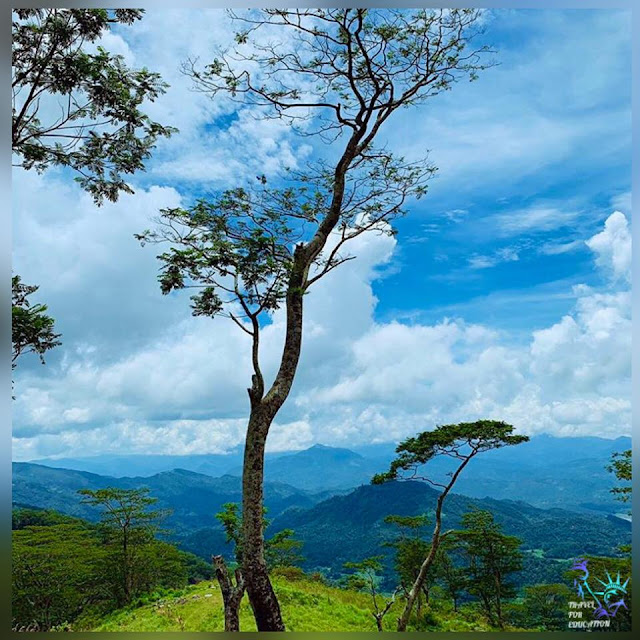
(358, 381)
(136, 373)
(613, 247)
(506, 254)
(534, 219)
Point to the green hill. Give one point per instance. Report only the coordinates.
(351, 527)
(307, 605)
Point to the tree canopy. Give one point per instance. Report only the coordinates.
(32, 330)
(76, 105)
(458, 441)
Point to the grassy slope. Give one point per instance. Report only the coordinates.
(306, 606)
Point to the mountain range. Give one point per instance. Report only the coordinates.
(546, 472)
(335, 526)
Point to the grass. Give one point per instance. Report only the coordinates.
(307, 605)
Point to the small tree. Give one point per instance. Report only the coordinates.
(79, 109)
(449, 575)
(491, 557)
(341, 74)
(32, 330)
(462, 442)
(129, 527)
(545, 606)
(411, 550)
(366, 578)
(281, 550)
(232, 594)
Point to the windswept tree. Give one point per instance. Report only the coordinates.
(76, 105)
(32, 330)
(461, 442)
(333, 74)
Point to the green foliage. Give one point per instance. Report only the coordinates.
(69, 571)
(622, 469)
(411, 550)
(136, 560)
(281, 550)
(231, 522)
(56, 574)
(546, 606)
(196, 568)
(450, 575)
(99, 129)
(24, 517)
(461, 441)
(32, 330)
(491, 558)
(354, 57)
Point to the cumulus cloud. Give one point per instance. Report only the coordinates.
(612, 247)
(359, 380)
(136, 373)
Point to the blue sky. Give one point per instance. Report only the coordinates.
(514, 268)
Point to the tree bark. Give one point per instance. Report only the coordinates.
(231, 594)
(261, 594)
(264, 602)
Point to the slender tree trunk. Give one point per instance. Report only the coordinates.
(264, 602)
(403, 620)
(499, 601)
(231, 594)
(264, 408)
(125, 562)
(414, 593)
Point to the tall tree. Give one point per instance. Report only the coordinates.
(32, 330)
(128, 526)
(334, 74)
(461, 442)
(491, 557)
(76, 105)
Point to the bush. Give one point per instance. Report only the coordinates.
(292, 574)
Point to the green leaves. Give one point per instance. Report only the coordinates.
(32, 330)
(102, 134)
(460, 441)
(621, 467)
